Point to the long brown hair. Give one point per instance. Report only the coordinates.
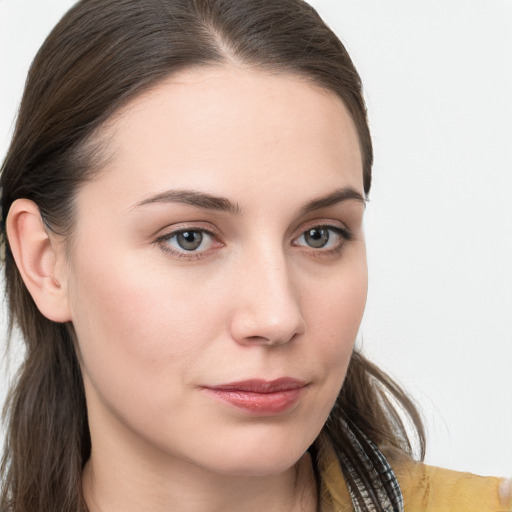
(99, 56)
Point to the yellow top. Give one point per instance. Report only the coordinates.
(425, 489)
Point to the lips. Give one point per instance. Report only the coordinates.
(260, 397)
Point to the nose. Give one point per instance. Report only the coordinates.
(267, 309)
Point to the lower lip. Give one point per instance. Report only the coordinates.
(259, 404)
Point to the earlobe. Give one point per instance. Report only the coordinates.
(38, 260)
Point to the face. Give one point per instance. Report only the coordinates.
(217, 276)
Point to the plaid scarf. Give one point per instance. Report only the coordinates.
(376, 490)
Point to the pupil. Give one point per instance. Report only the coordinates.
(317, 237)
(189, 240)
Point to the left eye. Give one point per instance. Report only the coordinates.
(322, 237)
(189, 240)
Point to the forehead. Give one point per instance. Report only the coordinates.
(233, 127)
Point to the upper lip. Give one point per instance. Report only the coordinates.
(261, 385)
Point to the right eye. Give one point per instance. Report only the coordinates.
(187, 242)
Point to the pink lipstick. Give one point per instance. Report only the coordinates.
(260, 397)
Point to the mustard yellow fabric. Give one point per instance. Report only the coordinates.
(430, 489)
(424, 488)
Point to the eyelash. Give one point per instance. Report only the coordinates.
(163, 241)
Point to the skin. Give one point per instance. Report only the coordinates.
(156, 323)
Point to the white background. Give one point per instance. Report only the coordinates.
(438, 81)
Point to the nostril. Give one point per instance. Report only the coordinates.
(272, 340)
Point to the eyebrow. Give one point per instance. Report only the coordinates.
(338, 196)
(193, 198)
(211, 202)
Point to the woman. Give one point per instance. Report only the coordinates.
(183, 202)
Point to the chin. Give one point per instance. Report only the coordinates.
(259, 460)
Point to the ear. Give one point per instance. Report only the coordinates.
(40, 260)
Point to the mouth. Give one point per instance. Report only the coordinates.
(258, 397)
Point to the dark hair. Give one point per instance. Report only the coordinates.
(98, 57)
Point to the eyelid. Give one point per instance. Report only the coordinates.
(324, 223)
(188, 226)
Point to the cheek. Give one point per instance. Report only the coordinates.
(138, 332)
(335, 312)
(336, 307)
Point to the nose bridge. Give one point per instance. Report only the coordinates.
(268, 308)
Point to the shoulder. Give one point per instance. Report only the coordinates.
(432, 489)
(424, 488)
